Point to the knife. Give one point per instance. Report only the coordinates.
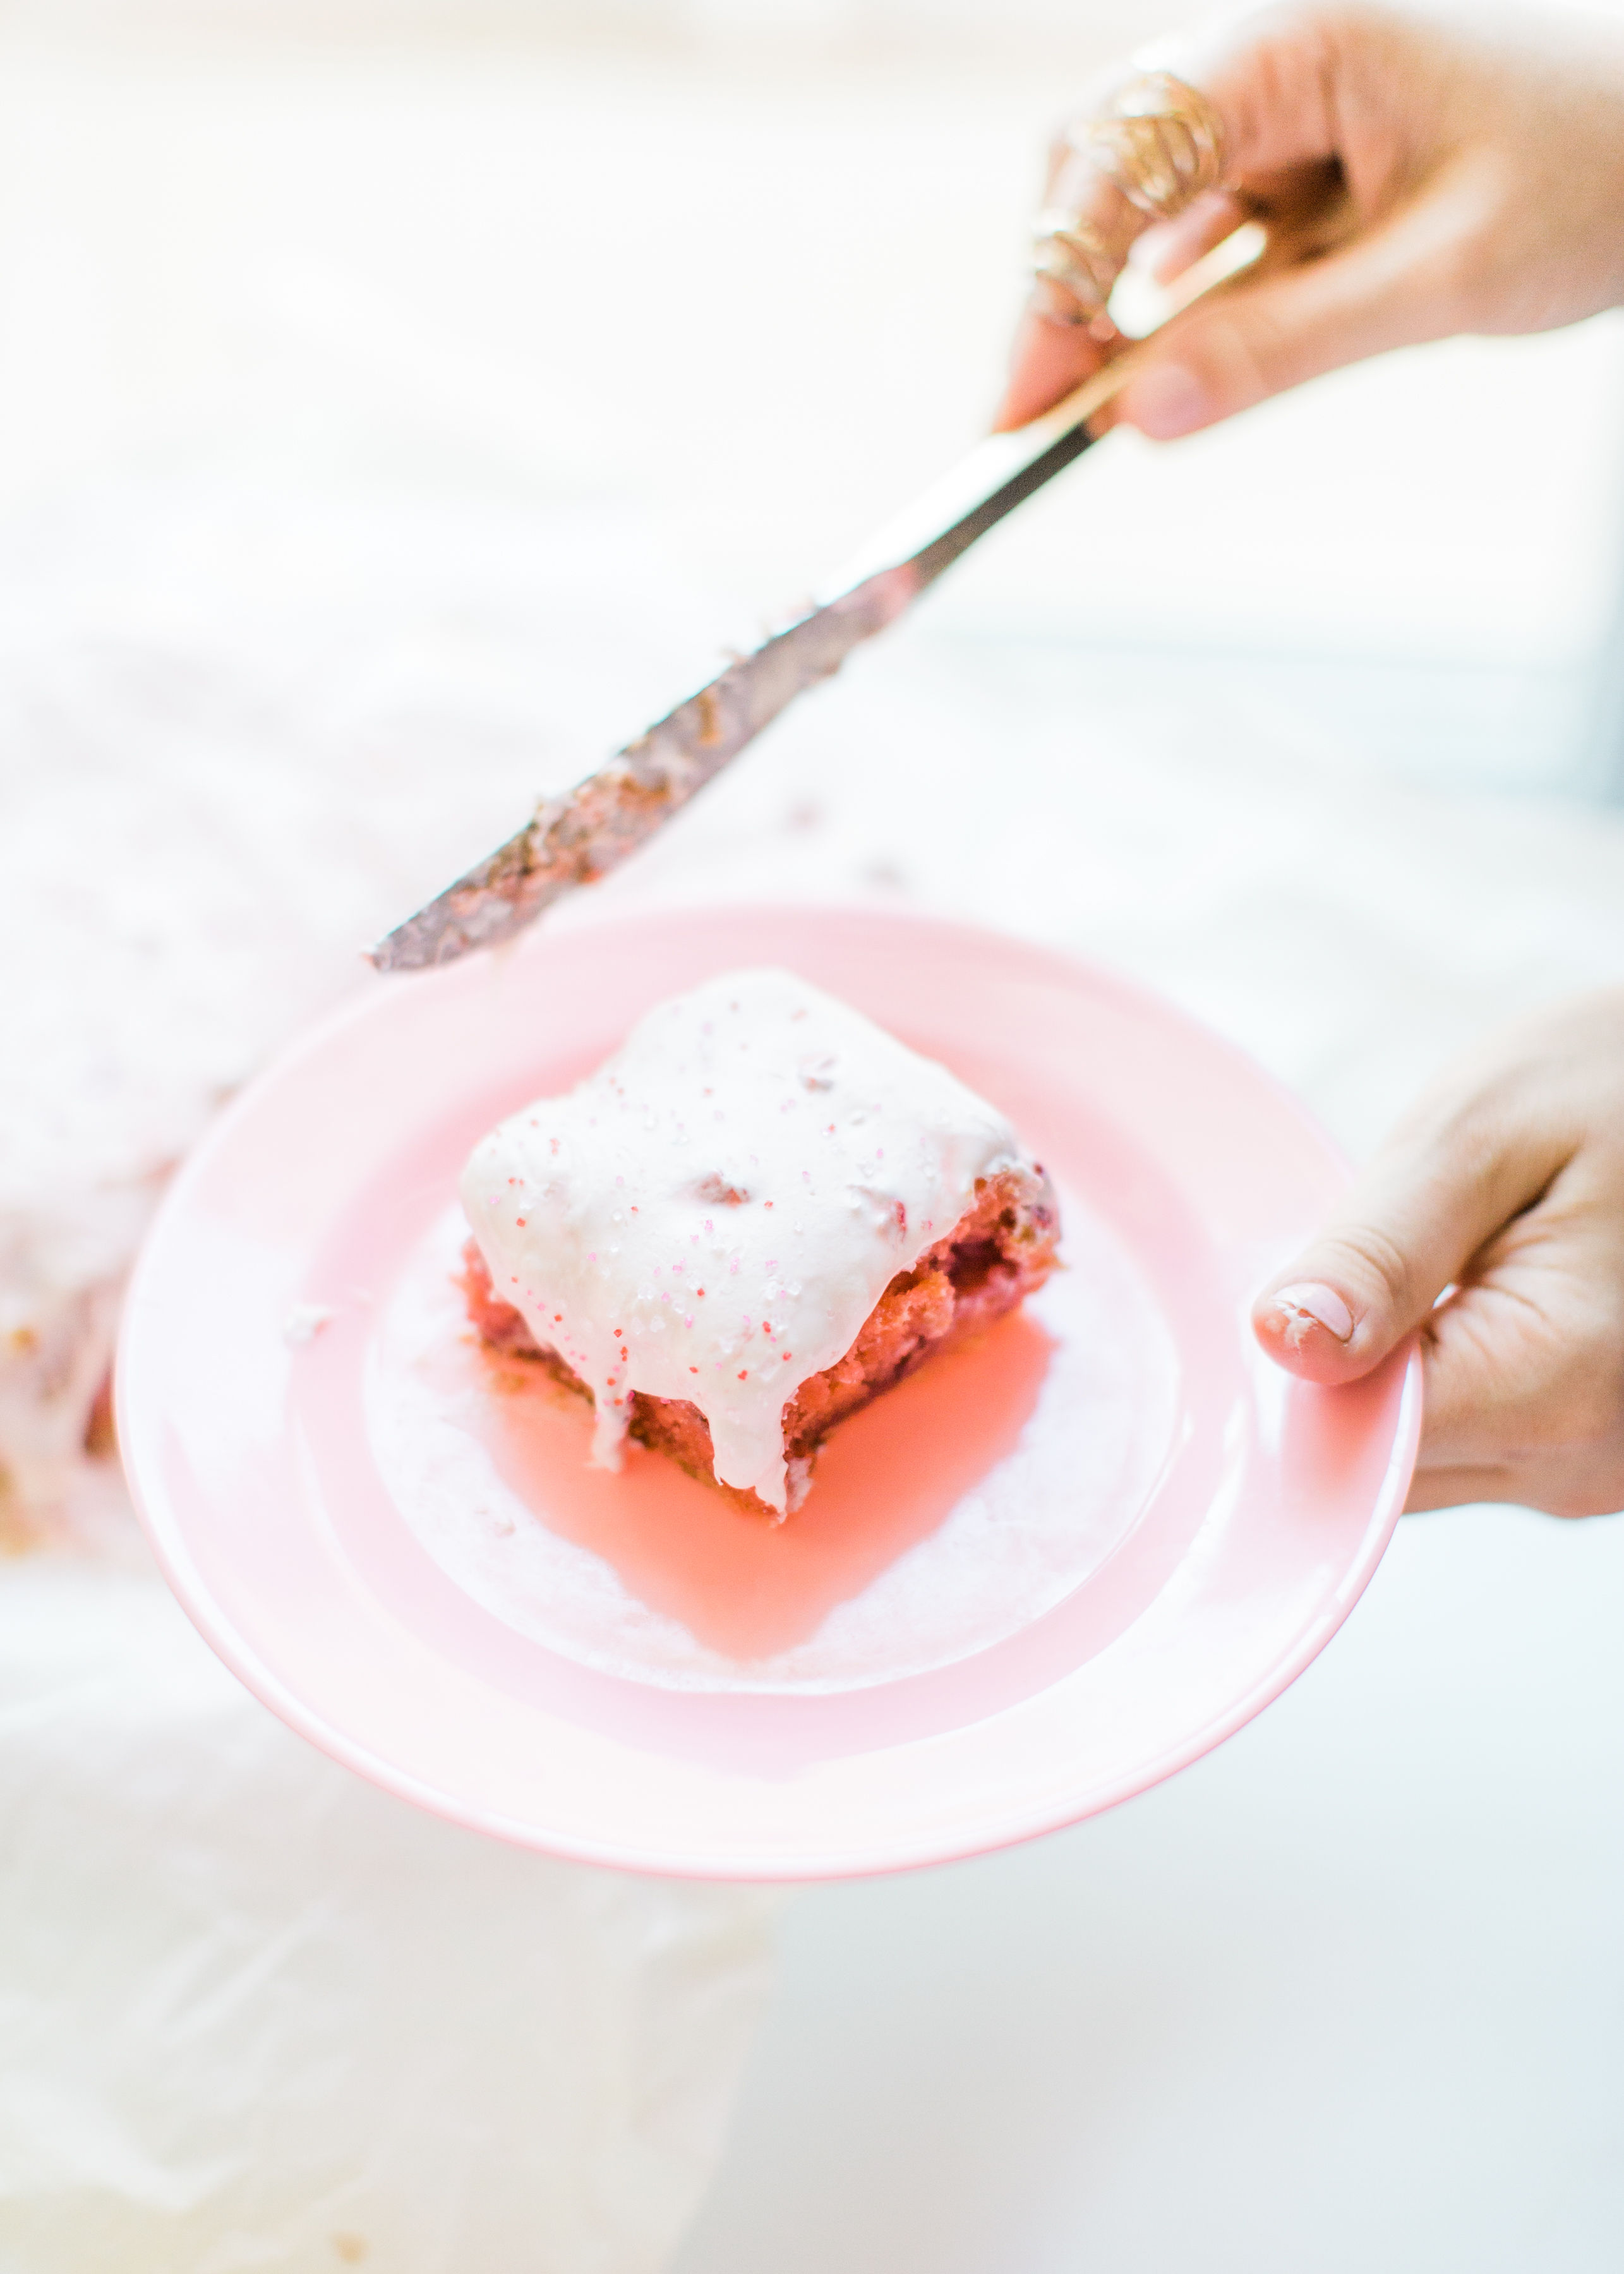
(576, 838)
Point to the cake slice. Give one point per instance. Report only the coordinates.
(759, 1214)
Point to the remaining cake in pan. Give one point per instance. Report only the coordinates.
(761, 1212)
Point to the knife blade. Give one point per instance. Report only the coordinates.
(575, 838)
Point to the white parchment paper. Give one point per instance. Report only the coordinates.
(254, 2014)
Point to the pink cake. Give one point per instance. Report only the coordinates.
(755, 1219)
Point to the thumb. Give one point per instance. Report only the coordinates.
(1410, 1228)
(1391, 287)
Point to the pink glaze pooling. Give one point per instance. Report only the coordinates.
(1019, 1608)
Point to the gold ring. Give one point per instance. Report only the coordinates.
(1158, 144)
(1071, 252)
(1160, 140)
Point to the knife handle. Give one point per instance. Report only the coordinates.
(990, 480)
(928, 535)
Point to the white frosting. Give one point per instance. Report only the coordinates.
(716, 1211)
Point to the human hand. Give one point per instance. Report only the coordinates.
(1418, 175)
(1505, 1183)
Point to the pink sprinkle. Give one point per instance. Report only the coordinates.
(688, 1321)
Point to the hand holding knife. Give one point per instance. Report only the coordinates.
(1171, 150)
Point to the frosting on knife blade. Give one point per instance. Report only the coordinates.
(575, 838)
(580, 837)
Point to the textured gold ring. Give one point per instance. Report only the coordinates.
(1071, 252)
(1156, 141)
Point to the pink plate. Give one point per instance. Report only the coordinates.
(1046, 1572)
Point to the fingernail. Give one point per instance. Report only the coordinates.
(1168, 401)
(1314, 1305)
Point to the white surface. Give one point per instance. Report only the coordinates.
(256, 2014)
(1345, 1995)
(320, 369)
